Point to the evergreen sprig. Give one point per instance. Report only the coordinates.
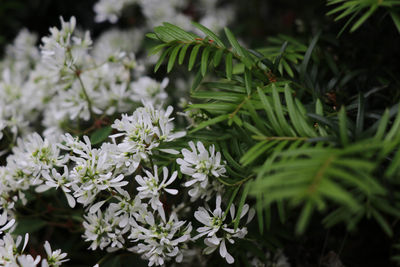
(283, 142)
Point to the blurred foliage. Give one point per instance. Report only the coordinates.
(333, 100)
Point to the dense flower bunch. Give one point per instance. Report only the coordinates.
(126, 190)
(113, 154)
(156, 12)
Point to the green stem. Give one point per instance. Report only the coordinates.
(279, 138)
(85, 94)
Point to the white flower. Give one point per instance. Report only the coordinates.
(161, 240)
(199, 164)
(36, 155)
(9, 251)
(114, 41)
(54, 258)
(149, 90)
(5, 222)
(151, 187)
(216, 231)
(28, 260)
(145, 130)
(110, 9)
(102, 229)
(94, 170)
(56, 180)
(127, 209)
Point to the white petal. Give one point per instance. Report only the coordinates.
(203, 217)
(218, 202)
(96, 206)
(229, 258)
(8, 225)
(25, 241)
(190, 182)
(71, 200)
(222, 249)
(172, 178)
(47, 248)
(252, 212)
(169, 151)
(171, 191)
(245, 209)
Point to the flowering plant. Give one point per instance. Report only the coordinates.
(101, 157)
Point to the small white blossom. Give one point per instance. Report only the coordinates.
(56, 180)
(102, 229)
(54, 258)
(10, 251)
(110, 9)
(145, 130)
(161, 240)
(149, 90)
(151, 187)
(28, 260)
(216, 231)
(200, 164)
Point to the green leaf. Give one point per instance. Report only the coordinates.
(304, 218)
(279, 57)
(100, 135)
(226, 86)
(161, 59)
(287, 68)
(210, 122)
(233, 195)
(234, 43)
(209, 33)
(197, 80)
(396, 19)
(223, 96)
(164, 35)
(395, 127)
(193, 56)
(383, 122)
(254, 152)
(217, 57)
(152, 36)
(172, 58)
(338, 194)
(279, 112)
(360, 115)
(293, 113)
(204, 60)
(307, 56)
(228, 66)
(179, 33)
(244, 56)
(247, 80)
(270, 113)
(156, 49)
(241, 203)
(182, 54)
(382, 222)
(343, 127)
(215, 107)
(359, 22)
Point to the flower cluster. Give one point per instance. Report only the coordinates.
(217, 231)
(55, 98)
(200, 164)
(157, 11)
(11, 253)
(144, 130)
